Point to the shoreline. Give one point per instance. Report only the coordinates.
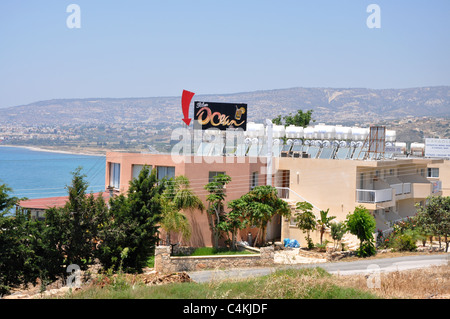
(85, 152)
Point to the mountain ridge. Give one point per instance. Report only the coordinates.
(334, 105)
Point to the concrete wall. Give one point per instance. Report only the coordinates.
(444, 176)
(165, 263)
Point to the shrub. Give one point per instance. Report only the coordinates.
(405, 241)
(362, 224)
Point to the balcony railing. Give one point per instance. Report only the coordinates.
(436, 186)
(402, 188)
(373, 196)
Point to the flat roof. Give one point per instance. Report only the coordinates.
(49, 202)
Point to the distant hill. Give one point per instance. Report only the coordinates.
(330, 105)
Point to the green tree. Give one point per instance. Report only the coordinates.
(337, 232)
(362, 224)
(25, 255)
(299, 119)
(132, 224)
(434, 217)
(178, 196)
(73, 229)
(236, 219)
(216, 198)
(324, 222)
(13, 252)
(305, 220)
(261, 204)
(6, 201)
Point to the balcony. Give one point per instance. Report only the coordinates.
(420, 187)
(436, 186)
(399, 186)
(402, 188)
(374, 196)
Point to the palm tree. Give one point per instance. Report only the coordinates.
(324, 222)
(306, 220)
(177, 197)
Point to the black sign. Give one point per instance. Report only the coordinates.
(222, 116)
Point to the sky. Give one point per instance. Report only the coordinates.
(159, 48)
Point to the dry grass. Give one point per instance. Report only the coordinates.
(433, 282)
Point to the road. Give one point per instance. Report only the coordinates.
(341, 268)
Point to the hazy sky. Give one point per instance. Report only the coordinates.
(158, 48)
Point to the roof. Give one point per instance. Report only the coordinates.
(49, 202)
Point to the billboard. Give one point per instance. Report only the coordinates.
(221, 116)
(436, 147)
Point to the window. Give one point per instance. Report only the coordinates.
(254, 181)
(165, 172)
(114, 175)
(212, 174)
(433, 172)
(137, 169)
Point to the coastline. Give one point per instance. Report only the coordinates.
(86, 152)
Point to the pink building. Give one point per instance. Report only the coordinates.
(245, 173)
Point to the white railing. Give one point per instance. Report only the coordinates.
(406, 188)
(373, 196)
(398, 188)
(402, 188)
(437, 186)
(286, 192)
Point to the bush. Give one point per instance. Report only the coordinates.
(362, 224)
(404, 242)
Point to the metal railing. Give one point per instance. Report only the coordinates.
(402, 188)
(436, 186)
(373, 196)
(285, 193)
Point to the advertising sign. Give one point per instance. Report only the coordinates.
(222, 116)
(435, 147)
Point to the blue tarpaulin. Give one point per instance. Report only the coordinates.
(292, 243)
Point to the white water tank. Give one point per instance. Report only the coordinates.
(417, 149)
(255, 130)
(322, 131)
(391, 135)
(308, 132)
(402, 146)
(343, 132)
(278, 131)
(359, 133)
(293, 131)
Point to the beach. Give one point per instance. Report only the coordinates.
(62, 150)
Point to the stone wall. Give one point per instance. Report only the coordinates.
(165, 263)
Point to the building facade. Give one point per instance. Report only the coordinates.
(245, 173)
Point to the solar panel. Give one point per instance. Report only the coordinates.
(296, 150)
(241, 150)
(326, 153)
(217, 149)
(253, 150)
(356, 152)
(313, 150)
(204, 149)
(342, 153)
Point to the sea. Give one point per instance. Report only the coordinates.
(33, 173)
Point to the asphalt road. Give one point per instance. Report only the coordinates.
(342, 268)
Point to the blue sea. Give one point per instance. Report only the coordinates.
(39, 174)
